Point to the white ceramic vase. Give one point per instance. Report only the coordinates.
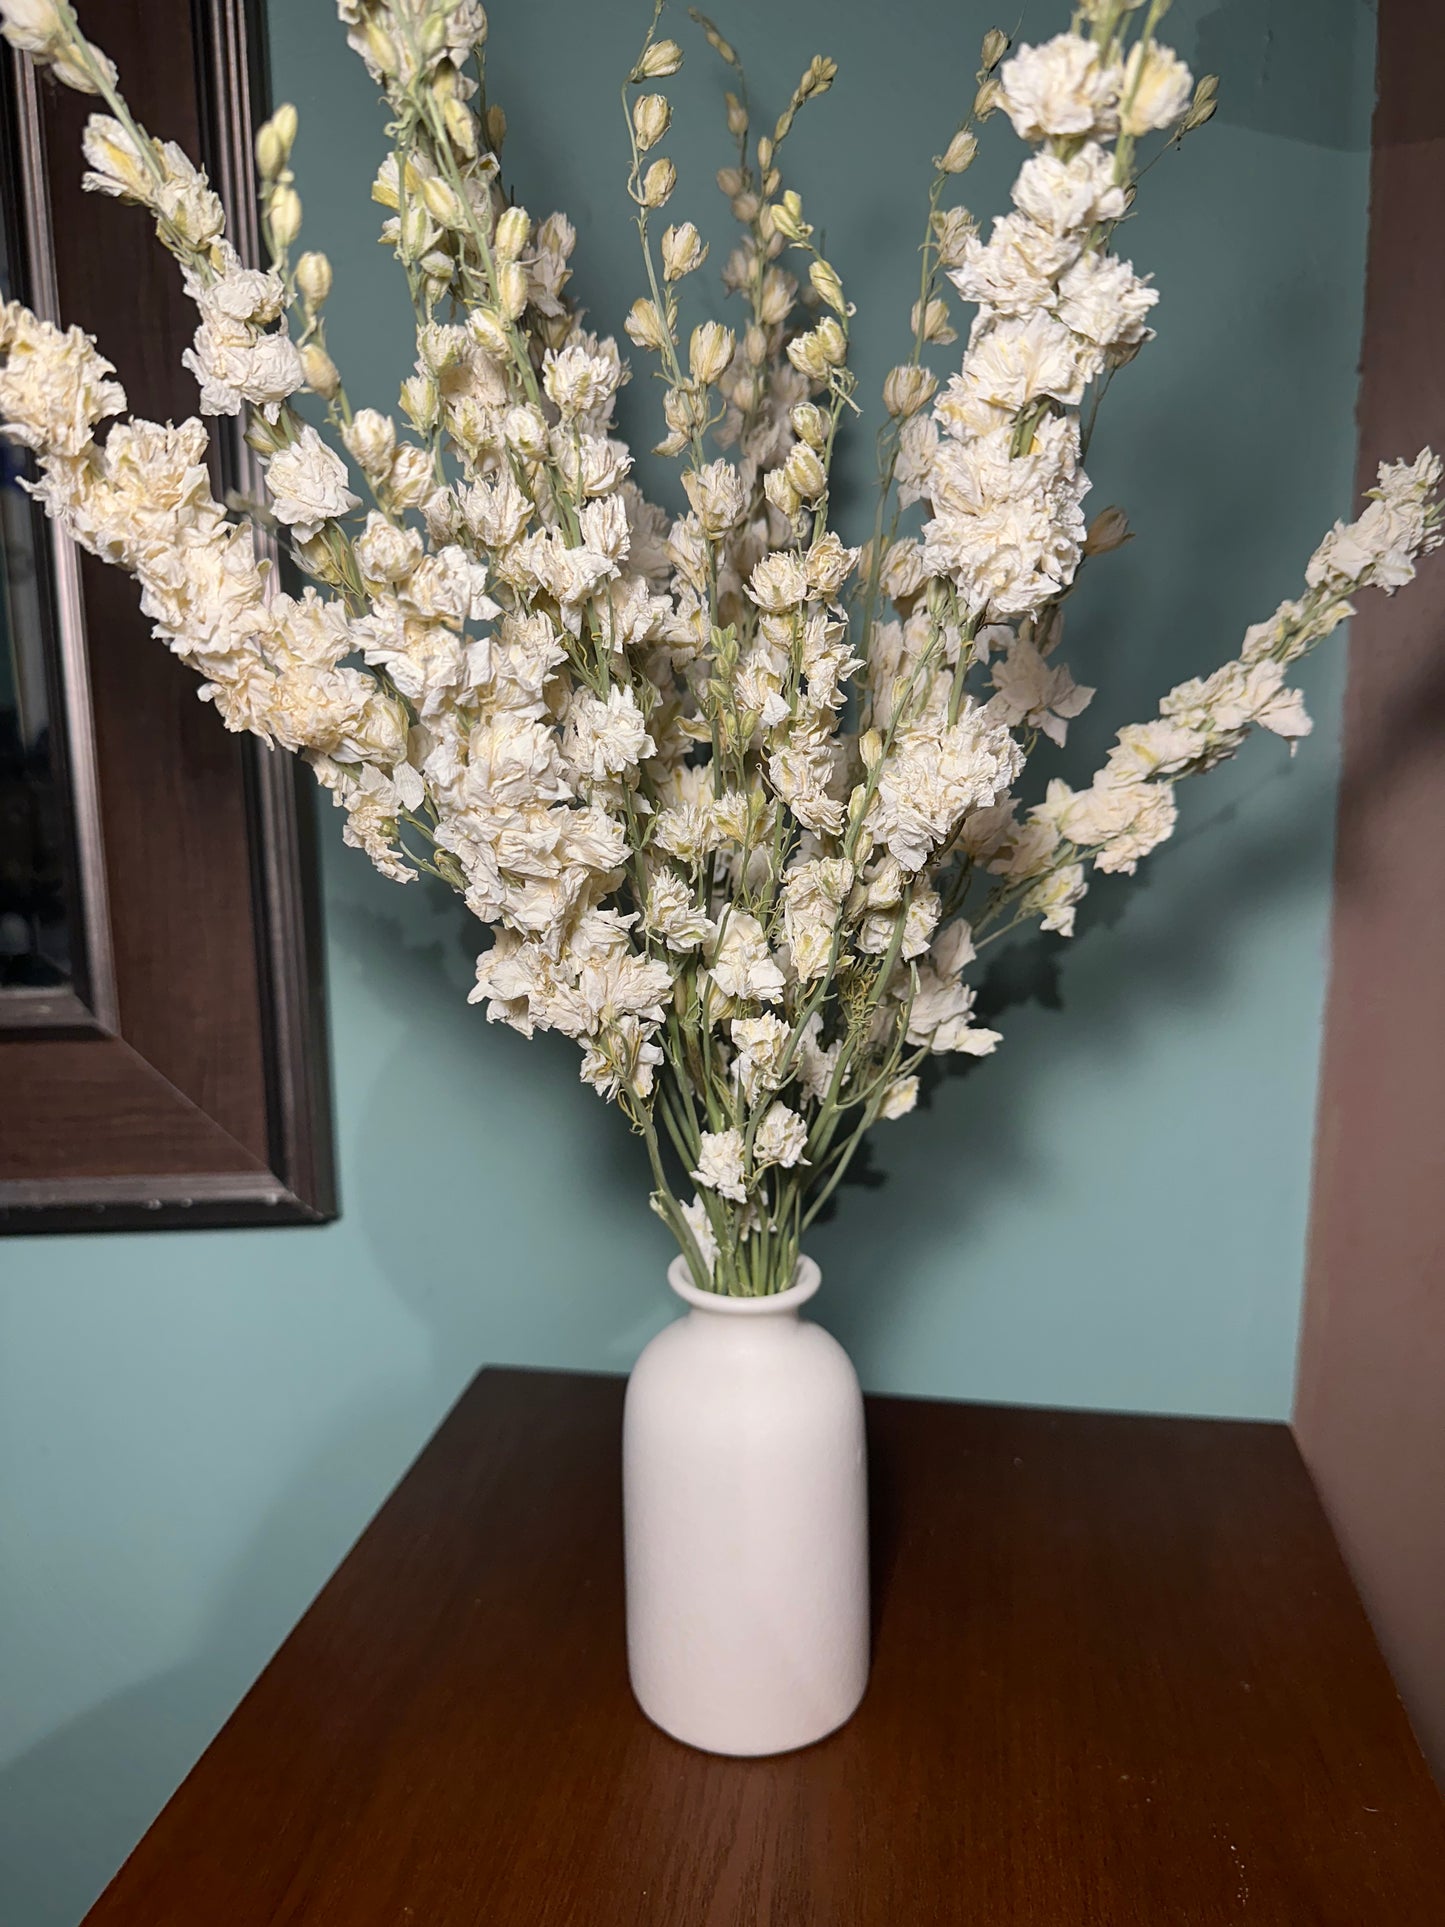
(745, 1491)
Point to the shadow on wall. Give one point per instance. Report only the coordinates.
(1277, 84)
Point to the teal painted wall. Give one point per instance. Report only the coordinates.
(1111, 1212)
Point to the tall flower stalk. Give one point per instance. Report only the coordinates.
(739, 804)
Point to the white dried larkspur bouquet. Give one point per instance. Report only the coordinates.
(739, 804)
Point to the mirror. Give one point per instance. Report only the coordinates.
(162, 1030)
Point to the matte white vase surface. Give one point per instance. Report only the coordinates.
(745, 1490)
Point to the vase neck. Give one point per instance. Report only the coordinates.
(776, 1304)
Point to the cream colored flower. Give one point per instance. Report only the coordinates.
(899, 1098)
(761, 1044)
(1155, 90)
(720, 1164)
(672, 915)
(1059, 90)
(307, 482)
(781, 1138)
(740, 963)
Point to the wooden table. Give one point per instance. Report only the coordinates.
(1121, 1680)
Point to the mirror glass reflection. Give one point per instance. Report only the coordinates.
(37, 933)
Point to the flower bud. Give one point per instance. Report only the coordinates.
(995, 46)
(906, 389)
(807, 356)
(827, 286)
(709, 352)
(717, 496)
(662, 58)
(832, 341)
(284, 213)
(651, 116)
(746, 393)
(460, 126)
(496, 128)
(417, 231)
(313, 278)
(442, 201)
(1109, 530)
(512, 289)
(433, 35)
(787, 217)
(265, 437)
(658, 183)
(370, 438)
(737, 116)
(379, 49)
(411, 478)
(959, 154)
(777, 301)
(685, 411)
(985, 100)
(514, 230)
(682, 251)
(489, 330)
(1204, 104)
(275, 140)
(645, 326)
(804, 469)
(781, 493)
(322, 375)
(524, 429)
(755, 346)
(870, 748)
(420, 402)
(32, 26)
(932, 324)
(809, 423)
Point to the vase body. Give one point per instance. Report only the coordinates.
(745, 1495)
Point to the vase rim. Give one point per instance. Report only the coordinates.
(806, 1281)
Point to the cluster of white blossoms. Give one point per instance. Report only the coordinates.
(740, 804)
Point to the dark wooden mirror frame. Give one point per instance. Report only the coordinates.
(185, 1081)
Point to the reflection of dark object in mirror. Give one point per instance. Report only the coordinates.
(42, 935)
(33, 947)
(36, 867)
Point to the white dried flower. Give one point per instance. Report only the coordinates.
(718, 496)
(1155, 90)
(720, 1164)
(781, 1138)
(899, 1098)
(761, 1044)
(740, 963)
(672, 914)
(683, 251)
(1070, 196)
(307, 483)
(1060, 90)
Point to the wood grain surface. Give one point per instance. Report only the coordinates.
(1121, 1680)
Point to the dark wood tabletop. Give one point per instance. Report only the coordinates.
(1121, 1680)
